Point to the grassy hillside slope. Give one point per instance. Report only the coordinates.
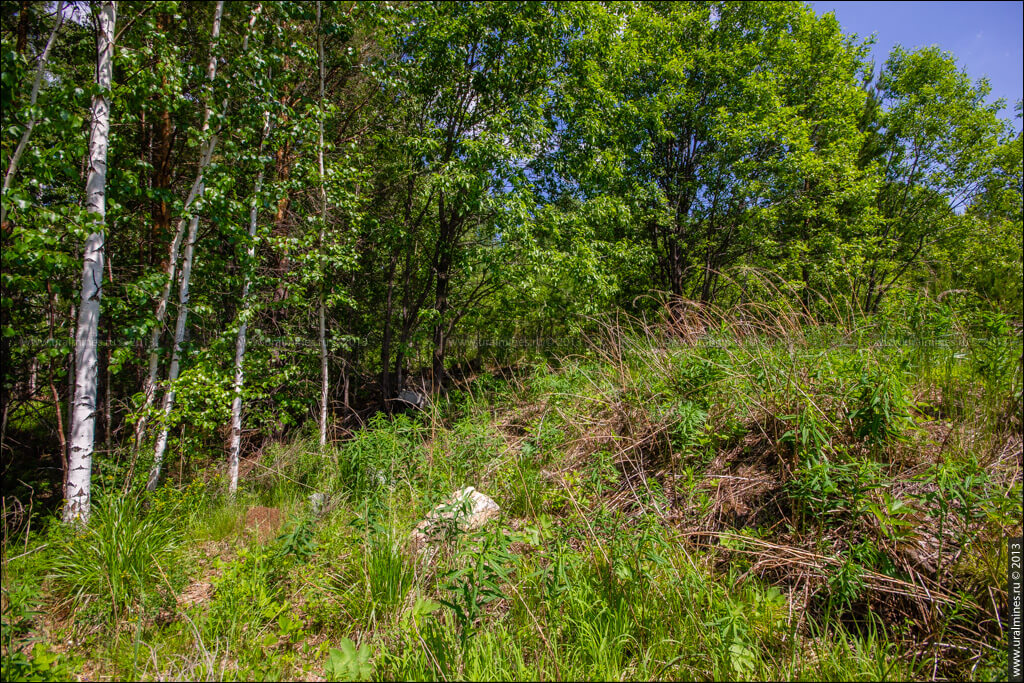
(730, 496)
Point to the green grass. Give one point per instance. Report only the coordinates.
(120, 564)
(743, 509)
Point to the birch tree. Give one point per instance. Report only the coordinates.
(186, 272)
(324, 377)
(240, 341)
(83, 420)
(195, 193)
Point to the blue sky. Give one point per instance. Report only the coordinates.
(987, 38)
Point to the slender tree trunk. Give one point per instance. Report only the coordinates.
(52, 315)
(869, 303)
(236, 403)
(442, 267)
(161, 144)
(186, 274)
(175, 367)
(162, 177)
(83, 423)
(22, 40)
(399, 365)
(385, 348)
(196, 191)
(108, 422)
(149, 387)
(72, 318)
(12, 166)
(345, 376)
(440, 337)
(675, 265)
(282, 173)
(324, 376)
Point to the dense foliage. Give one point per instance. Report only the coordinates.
(493, 173)
(311, 206)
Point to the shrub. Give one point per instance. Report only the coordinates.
(246, 593)
(881, 411)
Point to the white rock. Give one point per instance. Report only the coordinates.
(466, 510)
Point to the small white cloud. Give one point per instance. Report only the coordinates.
(979, 34)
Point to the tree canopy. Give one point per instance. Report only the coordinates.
(310, 206)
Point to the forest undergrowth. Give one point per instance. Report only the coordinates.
(714, 495)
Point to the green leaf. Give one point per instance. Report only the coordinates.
(346, 663)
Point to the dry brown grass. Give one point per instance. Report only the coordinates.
(738, 507)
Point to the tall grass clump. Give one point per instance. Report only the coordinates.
(118, 565)
(389, 576)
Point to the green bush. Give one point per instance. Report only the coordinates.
(378, 455)
(687, 424)
(881, 408)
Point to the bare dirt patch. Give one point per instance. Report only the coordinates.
(196, 593)
(200, 591)
(263, 523)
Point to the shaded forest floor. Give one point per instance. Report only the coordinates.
(744, 503)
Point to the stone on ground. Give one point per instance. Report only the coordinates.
(466, 510)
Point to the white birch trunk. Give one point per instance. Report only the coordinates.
(324, 377)
(186, 270)
(83, 421)
(196, 191)
(174, 370)
(186, 275)
(12, 166)
(72, 320)
(236, 403)
(149, 388)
